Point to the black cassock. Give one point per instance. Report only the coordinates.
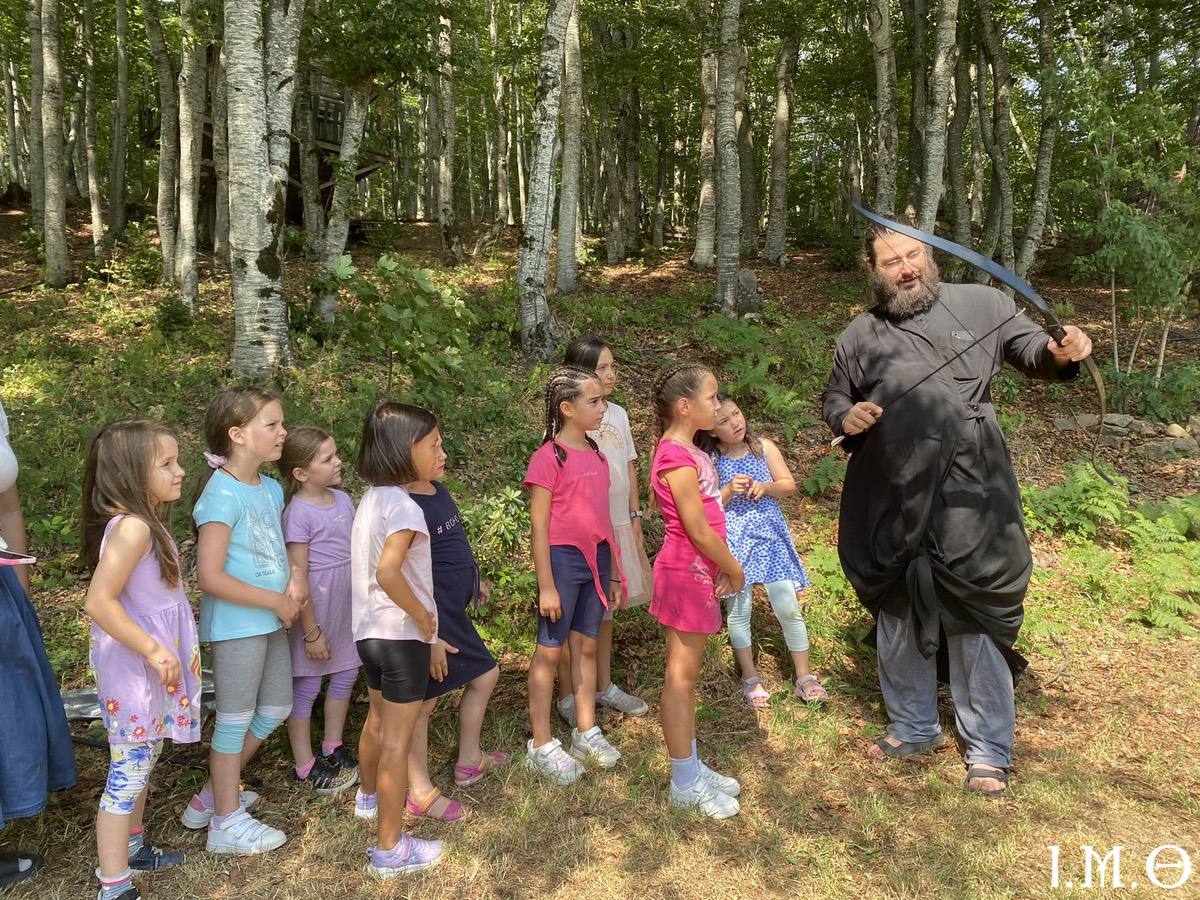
(931, 513)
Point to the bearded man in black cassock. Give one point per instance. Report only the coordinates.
(931, 533)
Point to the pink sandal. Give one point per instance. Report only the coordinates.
(810, 690)
(465, 776)
(453, 812)
(754, 693)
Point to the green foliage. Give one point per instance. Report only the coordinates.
(171, 316)
(1172, 399)
(1171, 580)
(828, 473)
(1181, 514)
(826, 577)
(844, 254)
(1080, 507)
(135, 262)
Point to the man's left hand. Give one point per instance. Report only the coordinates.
(1076, 346)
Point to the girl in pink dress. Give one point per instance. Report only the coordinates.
(692, 572)
(144, 651)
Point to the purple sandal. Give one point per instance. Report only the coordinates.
(465, 776)
(754, 693)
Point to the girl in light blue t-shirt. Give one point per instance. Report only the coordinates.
(247, 602)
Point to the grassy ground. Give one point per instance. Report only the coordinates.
(1108, 715)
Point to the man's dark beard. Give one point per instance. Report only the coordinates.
(887, 295)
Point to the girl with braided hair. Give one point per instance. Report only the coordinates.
(574, 553)
(692, 571)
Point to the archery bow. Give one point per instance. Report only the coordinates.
(1054, 327)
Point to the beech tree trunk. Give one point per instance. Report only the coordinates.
(1039, 202)
(537, 327)
(747, 163)
(915, 12)
(706, 216)
(522, 164)
(774, 250)
(879, 24)
(89, 127)
(168, 144)
(120, 129)
(629, 144)
(260, 75)
(15, 169)
(614, 239)
(996, 139)
(192, 76)
(220, 114)
(729, 189)
(933, 142)
(452, 248)
(499, 94)
(566, 261)
(955, 134)
(58, 258)
(342, 205)
(37, 157)
(74, 181)
(310, 177)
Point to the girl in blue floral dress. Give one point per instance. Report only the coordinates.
(753, 476)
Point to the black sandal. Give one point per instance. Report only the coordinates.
(10, 867)
(991, 772)
(904, 748)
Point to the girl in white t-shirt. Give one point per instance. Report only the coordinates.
(615, 440)
(395, 622)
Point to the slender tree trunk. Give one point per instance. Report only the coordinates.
(120, 129)
(15, 173)
(661, 166)
(522, 166)
(58, 258)
(452, 248)
(915, 11)
(433, 164)
(73, 181)
(310, 156)
(747, 164)
(537, 327)
(706, 217)
(168, 145)
(775, 250)
(977, 174)
(678, 205)
(37, 155)
(338, 227)
(729, 189)
(933, 141)
(89, 126)
(887, 137)
(192, 75)
(629, 143)
(220, 116)
(614, 240)
(955, 134)
(997, 142)
(499, 95)
(260, 77)
(470, 165)
(489, 161)
(567, 262)
(1039, 202)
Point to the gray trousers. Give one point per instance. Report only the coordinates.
(980, 685)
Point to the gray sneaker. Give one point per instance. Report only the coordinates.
(553, 761)
(566, 709)
(592, 743)
(621, 701)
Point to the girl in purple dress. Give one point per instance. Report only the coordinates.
(144, 652)
(316, 527)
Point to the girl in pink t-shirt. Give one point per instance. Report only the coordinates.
(574, 552)
(691, 572)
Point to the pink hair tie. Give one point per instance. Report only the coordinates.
(215, 461)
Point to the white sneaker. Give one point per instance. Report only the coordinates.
(196, 815)
(243, 835)
(553, 761)
(621, 701)
(592, 743)
(723, 783)
(566, 709)
(705, 798)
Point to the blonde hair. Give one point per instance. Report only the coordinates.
(116, 481)
(299, 450)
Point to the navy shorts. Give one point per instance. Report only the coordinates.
(582, 608)
(397, 669)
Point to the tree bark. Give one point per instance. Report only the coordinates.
(74, 181)
(747, 164)
(340, 209)
(661, 166)
(629, 144)
(614, 240)
(37, 155)
(310, 176)
(729, 189)
(58, 258)
(977, 174)
(537, 327)
(192, 75)
(933, 141)
(433, 145)
(168, 144)
(499, 95)
(259, 83)
(15, 169)
(706, 216)
(522, 166)
(89, 127)
(120, 129)
(1039, 201)
(774, 250)
(879, 24)
(916, 12)
(220, 115)
(567, 262)
(996, 139)
(955, 134)
(452, 248)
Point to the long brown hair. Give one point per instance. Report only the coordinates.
(116, 481)
(564, 386)
(234, 407)
(710, 444)
(299, 450)
(680, 380)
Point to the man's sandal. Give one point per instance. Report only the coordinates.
(810, 690)
(452, 811)
(905, 748)
(10, 867)
(990, 772)
(465, 776)
(754, 693)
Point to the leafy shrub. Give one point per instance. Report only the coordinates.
(135, 262)
(844, 254)
(1173, 399)
(829, 472)
(1079, 507)
(826, 577)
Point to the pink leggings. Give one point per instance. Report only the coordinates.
(306, 687)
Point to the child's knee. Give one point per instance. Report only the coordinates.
(487, 681)
(229, 734)
(128, 777)
(266, 719)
